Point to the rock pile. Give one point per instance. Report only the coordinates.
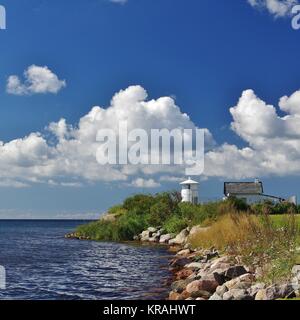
(75, 235)
(158, 235)
(206, 275)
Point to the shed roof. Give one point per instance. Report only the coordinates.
(234, 188)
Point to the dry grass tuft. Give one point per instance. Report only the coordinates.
(257, 240)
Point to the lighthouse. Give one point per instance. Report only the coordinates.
(189, 192)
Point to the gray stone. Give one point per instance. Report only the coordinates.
(181, 238)
(154, 238)
(195, 266)
(275, 292)
(221, 290)
(166, 238)
(215, 296)
(222, 267)
(228, 295)
(152, 230)
(145, 236)
(255, 288)
(184, 252)
(240, 294)
(296, 270)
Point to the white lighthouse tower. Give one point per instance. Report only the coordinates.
(189, 192)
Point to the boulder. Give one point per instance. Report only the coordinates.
(195, 266)
(202, 285)
(152, 230)
(184, 252)
(237, 294)
(261, 295)
(181, 238)
(180, 285)
(180, 262)
(215, 296)
(174, 296)
(166, 238)
(185, 295)
(154, 238)
(221, 290)
(234, 272)
(253, 290)
(240, 294)
(183, 274)
(201, 294)
(222, 267)
(232, 283)
(228, 295)
(145, 236)
(296, 270)
(275, 292)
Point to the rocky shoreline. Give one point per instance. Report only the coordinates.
(203, 274)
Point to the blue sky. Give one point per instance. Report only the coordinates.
(202, 53)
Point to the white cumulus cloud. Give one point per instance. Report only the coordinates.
(68, 156)
(37, 80)
(119, 1)
(145, 183)
(273, 141)
(65, 155)
(278, 8)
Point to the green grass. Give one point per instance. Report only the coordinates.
(279, 219)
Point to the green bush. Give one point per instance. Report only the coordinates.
(197, 214)
(139, 204)
(268, 207)
(175, 224)
(117, 210)
(166, 205)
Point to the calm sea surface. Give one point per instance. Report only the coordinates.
(40, 264)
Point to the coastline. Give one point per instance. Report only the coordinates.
(208, 274)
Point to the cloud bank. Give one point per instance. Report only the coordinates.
(278, 8)
(65, 155)
(37, 80)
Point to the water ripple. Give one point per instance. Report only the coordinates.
(42, 265)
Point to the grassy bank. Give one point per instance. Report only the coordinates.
(139, 212)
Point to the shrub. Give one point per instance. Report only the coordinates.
(268, 207)
(139, 204)
(117, 210)
(175, 224)
(197, 214)
(166, 205)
